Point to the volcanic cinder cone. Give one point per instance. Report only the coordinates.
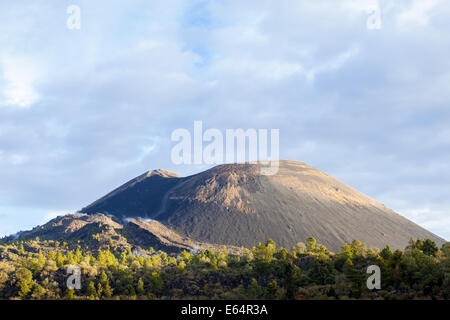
(234, 204)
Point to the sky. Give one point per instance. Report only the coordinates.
(357, 88)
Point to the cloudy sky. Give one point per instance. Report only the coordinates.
(358, 88)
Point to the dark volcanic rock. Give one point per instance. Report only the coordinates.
(97, 231)
(142, 196)
(233, 204)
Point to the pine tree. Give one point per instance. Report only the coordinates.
(103, 278)
(99, 290)
(21, 250)
(104, 281)
(59, 259)
(91, 291)
(108, 291)
(254, 290)
(69, 295)
(311, 244)
(140, 287)
(24, 281)
(272, 289)
(386, 253)
(38, 292)
(429, 247)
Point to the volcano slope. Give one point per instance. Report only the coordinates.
(233, 204)
(97, 231)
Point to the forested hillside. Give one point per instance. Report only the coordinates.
(37, 269)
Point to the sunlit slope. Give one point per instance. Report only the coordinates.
(233, 204)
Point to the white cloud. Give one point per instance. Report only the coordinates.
(19, 75)
(334, 64)
(18, 159)
(436, 220)
(418, 13)
(13, 159)
(145, 151)
(358, 6)
(259, 69)
(142, 69)
(47, 216)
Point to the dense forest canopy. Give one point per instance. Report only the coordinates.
(37, 269)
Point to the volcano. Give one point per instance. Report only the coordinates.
(233, 204)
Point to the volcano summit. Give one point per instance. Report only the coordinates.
(233, 204)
